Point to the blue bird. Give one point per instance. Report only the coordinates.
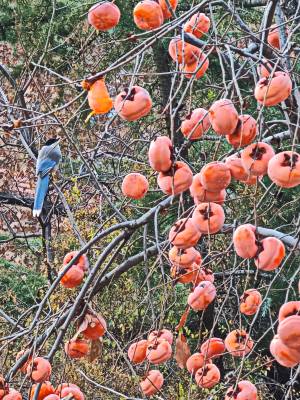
(48, 159)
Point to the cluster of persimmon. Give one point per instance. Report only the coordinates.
(192, 61)
(207, 374)
(156, 349)
(267, 253)
(93, 327)
(38, 370)
(285, 346)
(186, 266)
(201, 366)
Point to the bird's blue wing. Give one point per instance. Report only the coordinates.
(45, 166)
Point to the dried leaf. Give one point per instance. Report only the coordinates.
(95, 349)
(182, 352)
(183, 319)
(82, 327)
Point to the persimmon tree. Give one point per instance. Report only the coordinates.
(165, 262)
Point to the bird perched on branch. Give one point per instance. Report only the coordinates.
(48, 159)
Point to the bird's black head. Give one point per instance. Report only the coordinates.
(51, 141)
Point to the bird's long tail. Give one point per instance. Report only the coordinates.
(40, 194)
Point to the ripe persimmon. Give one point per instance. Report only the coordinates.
(183, 52)
(238, 343)
(197, 25)
(244, 390)
(284, 169)
(203, 294)
(73, 277)
(160, 154)
(177, 180)
(250, 302)
(256, 157)
(152, 382)
(223, 117)
(77, 348)
(98, 97)
(184, 257)
(208, 376)
(96, 327)
(45, 390)
(289, 331)
(148, 15)
(39, 370)
(215, 176)
(186, 273)
(82, 261)
(165, 9)
(271, 253)
(213, 347)
(195, 124)
(208, 217)
(159, 351)
(244, 241)
(288, 309)
(133, 103)
(184, 234)
(273, 90)
(104, 16)
(201, 195)
(161, 334)
(194, 362)
(137, 351)
(244, 133)
(135, 185)
(196, 69)
(283, 354)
